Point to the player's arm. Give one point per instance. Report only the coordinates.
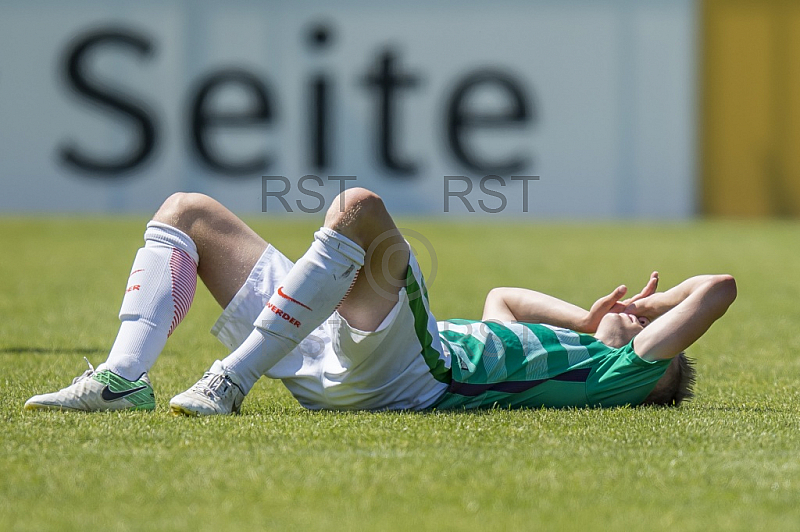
(529, 306)
(686, 313)
(659, 303)
(521, 304)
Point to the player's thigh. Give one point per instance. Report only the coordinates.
(378, 284)
(228, 247)
(231, 259)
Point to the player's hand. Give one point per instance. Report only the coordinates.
(601, 307)
(648, 290)
(612, 304)
(638, 304)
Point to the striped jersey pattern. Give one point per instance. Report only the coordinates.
(513, 357)
(183, 272)
(425, 326)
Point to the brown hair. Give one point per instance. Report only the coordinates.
(676, 385)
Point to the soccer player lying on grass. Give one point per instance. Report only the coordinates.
(349, 326)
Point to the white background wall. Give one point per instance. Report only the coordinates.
(611, 86)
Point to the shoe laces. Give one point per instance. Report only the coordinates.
(86, 374)
(214, 384)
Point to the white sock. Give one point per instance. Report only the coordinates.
(309, 294)
(160, 291)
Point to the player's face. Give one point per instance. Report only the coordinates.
(617, 330)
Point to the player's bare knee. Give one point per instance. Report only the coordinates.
(182, 209)
(356, 213)
(354, 203)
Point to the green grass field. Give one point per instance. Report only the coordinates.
(727, 461)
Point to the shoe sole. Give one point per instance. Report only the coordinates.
(37, 406)
(178, 410)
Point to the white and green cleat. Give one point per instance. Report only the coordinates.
(96, 391)
(218, 392)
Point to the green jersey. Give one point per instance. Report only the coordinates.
(521, 364)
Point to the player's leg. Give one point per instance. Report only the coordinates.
(376, 288)
(228, 248)
(223, 250)
(311, 291)
(190, 233)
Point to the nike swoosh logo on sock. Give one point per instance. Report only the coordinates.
(108, 395)
(283, 295)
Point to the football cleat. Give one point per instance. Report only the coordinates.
(216, 393)
(95, 391)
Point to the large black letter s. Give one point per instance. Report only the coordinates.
(110, 100)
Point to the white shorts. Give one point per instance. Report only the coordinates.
(399, 366)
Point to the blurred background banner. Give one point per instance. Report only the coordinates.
(751, 108)
(573, 109)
